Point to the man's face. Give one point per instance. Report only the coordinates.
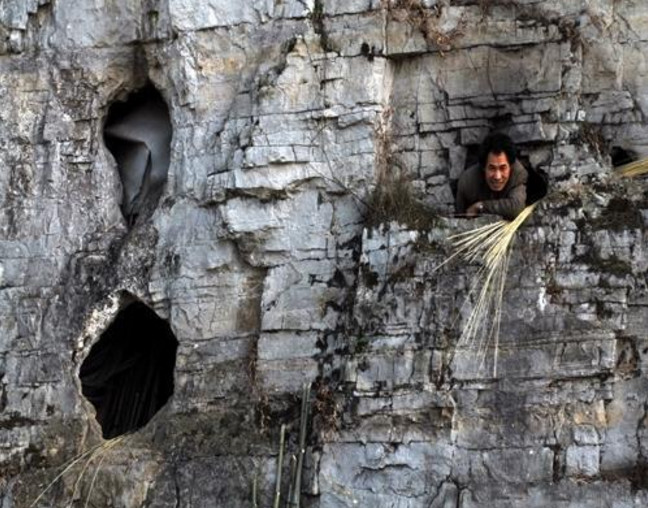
(498, 171)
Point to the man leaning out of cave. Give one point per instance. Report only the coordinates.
(497, 184)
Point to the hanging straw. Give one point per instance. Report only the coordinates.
(492, 245)
(632, 169)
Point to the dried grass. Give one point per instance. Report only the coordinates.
(425, 20)
(491, 244)
(91, 454)
(395, 199)
(633, 169)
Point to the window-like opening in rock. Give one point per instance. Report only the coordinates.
(621, 156)
(138, 134)
(128, 375)
(472, 156)
(538, 181)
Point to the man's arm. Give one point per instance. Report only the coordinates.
(510, 207)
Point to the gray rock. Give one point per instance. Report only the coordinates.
(276, 262)
(583, 461)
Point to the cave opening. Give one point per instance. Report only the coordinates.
(137, 132)
(537, 182)
(620, 156)
(128, 374)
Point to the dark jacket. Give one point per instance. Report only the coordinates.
(508, 203)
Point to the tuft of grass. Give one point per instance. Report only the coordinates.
(395, 199)
(327, 408)
(590, 135)
(425, 20)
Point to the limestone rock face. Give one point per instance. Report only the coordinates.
(264, 254)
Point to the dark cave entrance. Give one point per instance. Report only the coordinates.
(138, 133)
(620, 156)
(128, 375)
(537, 184)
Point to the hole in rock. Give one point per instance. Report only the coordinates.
(537, 182)
(138, 134)
(472, 155)
(128, 375)
(621, 156)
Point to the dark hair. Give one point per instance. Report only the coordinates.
(497, 143)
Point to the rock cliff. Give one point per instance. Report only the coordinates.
(297, 237)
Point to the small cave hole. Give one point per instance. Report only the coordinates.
(621, 156)
(537, 182)
(472, 155)
(128, 374)
(138, 133)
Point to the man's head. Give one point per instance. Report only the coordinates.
(497, 155)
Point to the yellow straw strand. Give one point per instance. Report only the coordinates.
(633, 169)
(490, 245)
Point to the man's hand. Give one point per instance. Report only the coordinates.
(475, 209)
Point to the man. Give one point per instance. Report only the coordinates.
(497, 185)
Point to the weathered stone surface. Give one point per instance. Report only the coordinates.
(379, 474)
(264, 256)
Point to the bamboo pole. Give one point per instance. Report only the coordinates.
(293, 472)
(296, 494)
(255, 497)
(282, 439)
